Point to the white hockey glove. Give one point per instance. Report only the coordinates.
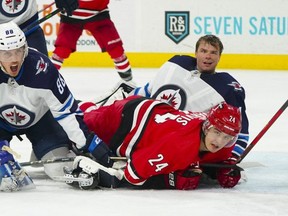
(88, 174)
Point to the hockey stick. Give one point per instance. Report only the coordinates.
(263, 131)
(35, 24)
(215, 165)
(56, 160)
(59, 160)
(48, 6)
(220, 165)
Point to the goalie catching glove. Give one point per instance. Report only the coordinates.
(88, 174)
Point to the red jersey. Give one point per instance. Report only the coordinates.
(159, 139)
(89, 8)
(93, 4)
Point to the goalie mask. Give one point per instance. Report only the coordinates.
(225, 118)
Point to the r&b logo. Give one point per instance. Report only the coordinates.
(177, 25)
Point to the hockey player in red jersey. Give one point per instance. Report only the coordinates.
(24, 13)
(93, 16)
(192, 83)
(159, 140)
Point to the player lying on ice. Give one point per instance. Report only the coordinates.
(163, 145)
(192, 83)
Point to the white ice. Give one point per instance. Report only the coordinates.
(265, 192)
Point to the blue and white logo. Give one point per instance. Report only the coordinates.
(13, 8)
(177, 25)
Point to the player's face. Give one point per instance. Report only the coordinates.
(216, 140)
(12, 60)
(208, 57)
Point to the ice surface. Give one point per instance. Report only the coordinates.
(264, 193)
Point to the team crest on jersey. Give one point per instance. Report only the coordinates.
(41, 66)
(17, 116)
(13, 8)
(177, 25)
(172, 94)
(236, 86)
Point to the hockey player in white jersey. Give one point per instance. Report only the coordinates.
(36, 101)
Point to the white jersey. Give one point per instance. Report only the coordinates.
(38, 88)
(17, 11)
(183, 89)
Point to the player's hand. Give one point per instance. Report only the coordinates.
(67, 5)
(229, 177)
(185, 180)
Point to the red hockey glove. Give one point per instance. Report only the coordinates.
(87, 106)
(229, 177)
(184, 180)
(231, 160)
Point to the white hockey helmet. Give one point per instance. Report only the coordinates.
(11, 36)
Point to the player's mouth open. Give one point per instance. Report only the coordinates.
(214, 146)
(14, 68)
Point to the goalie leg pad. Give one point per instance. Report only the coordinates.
(14, 178)
(56, 169)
